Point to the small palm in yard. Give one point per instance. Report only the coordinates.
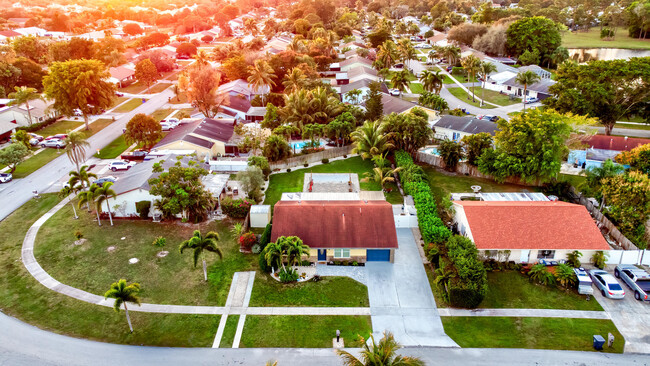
(65, 192)
(200, 244)
(443, 276)
(383, 353)
(382, 175)
(237, 230)
(101, 195)
(537, 272)
(573, 259)
(88, 198)
(123, 293)
(565, 276)
(294, 248)
(273, 254)
(526, 78)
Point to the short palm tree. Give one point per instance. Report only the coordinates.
(123, 293)
(596, 174)
(443, 276)
(88, 198)
(471, 64)
(451, 53)
(201, 244)
(81, 177)
(102, 194)
(382, 175)
(564, 275)
(370, 140)
(274, 255)
(432, 81)
(573, 258)
(401, 80)
(598, 259)
(526, 78)
(294, 80)
(237, 230)
(537, 272)
(202, 59)
(65, 192)
(75, 147)
(261, 74)
(22, 95)
(294, 248)
(484, 70)
(379, 354)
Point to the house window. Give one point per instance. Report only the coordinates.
(341, 253)
(545, 254)
(456, 136)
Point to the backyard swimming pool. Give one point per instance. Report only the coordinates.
(301, 144)
(431, 150)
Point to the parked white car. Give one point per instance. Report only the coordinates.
(120, 165)
(607, 284)
(530, 100)
(166, 126)
(395, 92)
(56, 143)
(5, 177)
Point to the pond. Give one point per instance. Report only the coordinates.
(606, 54)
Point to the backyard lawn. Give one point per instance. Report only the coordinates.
(169, 280)
(533, 333)
(302, 331)
(293, 181)
(510, 289)
(329, 291)
(164, 113)
(229, 331)
(591, 39)
(114, 149)
(129, 106)
(21, 296)
(461, 94)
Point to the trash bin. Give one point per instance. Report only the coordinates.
(599, 342)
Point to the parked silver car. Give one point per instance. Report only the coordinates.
(637, 279)
(607, 284)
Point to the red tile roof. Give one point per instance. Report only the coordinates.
(336, 224)
(616, 143)
(532, 225)
(9, 33)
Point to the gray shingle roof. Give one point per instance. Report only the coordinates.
(363, 83)
(467, 124)
(540, 86)
(394, 104)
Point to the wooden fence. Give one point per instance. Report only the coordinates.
(311, 158)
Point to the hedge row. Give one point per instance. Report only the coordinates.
(414, 181)
(470, 286)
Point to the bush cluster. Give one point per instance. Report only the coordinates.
(236, 209)
(469, 287)
(142, 208)
(247, 241)
(288, 275)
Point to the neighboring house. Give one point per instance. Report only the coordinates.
(234, 107)
(361, 231)
(530, 230)
(241, 88)
(341, 78)
(363, 85)
(601, 148)
(18, 21)
(354, 45)
(361, 73)
(31, 31)
(439, 40)
(39, 110)
(543, 74)
(537, 90)
(495, 81)
(121, 75)
(277, 44)
(7, 35)
(455, 128)
(350, 63)
(208, 138)
(255, 114)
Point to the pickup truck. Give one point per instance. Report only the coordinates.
(134, 155)
(637, 279)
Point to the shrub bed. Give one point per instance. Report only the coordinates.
(236, 209)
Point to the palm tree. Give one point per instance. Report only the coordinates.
(573, 258)
(88, 198)
(261, 74)
(22, 95)
(81, 177)
(565, 275)
(294, 80)
(443, 276)
(200, 244)
(177, 91)
(432, 81)
(471, 64)
(237, 230)
(400, 80)
(383, 73)
(324, 106)
(526, 78)
(370, 140)
(65, 192)
(598, 259)
(382, 353)
(406, 50)
(202, 59)
(382, 175)
(123, 293)
(273, 254)
(294, 248)
(595, 176)
(484, 70)
(296, 109)
(75, 147)
(102, 194)
(451, 53)
(387, 54)
(537, 272)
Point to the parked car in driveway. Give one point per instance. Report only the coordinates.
(56, 143)
(584, 282)
(166, 126)
(5, 177)
(134, 155)
(395, 92)
(120, 165)
(637, 279)
(607, 284)
(102, 180)
(530, 100)
(58, 136)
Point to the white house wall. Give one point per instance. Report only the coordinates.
(446, 133)
(124, 204)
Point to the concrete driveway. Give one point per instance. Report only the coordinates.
(401, 300)
(631, 317)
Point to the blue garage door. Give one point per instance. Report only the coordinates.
(378, 255)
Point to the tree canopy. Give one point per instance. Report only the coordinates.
(534, 33)
(143, 130)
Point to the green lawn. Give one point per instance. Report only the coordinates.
(532, 333)
(61, 126)
(161, 114)
(591, 39)
(114, 149)
(632, 126)
(293, 181)
(461, 79)
(229, 331)
(461, 94)
(158, 88)
(495, 97)
(443, 183)
(129, 106)
(509, 289)
(329, 291)
(393, 196)
(169, 280)
(416, 88)
(302, 331)
(119, 100)
(21, 296)
(135, 88)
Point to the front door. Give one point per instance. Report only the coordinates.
(524, 255)
(322, 255)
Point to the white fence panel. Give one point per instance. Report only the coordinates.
(404, 221)
(614, 257)
(646, 257)
(631, 257)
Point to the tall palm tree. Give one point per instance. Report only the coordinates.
(123, 293)
(382, 353)
(432, 81)
(261, 74)
(406, 50)
(294, 80)
(81, 177)
(273, 254)
(451, 53)
(65, 192)
(370, 140)
(324, 106)
(526, 78)
(75, 147)
(400, 80)
(102, 194)
(387, 54)
(484, 70)
(88, 198)
(22, 95)
(471, 64)
(200, 244)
